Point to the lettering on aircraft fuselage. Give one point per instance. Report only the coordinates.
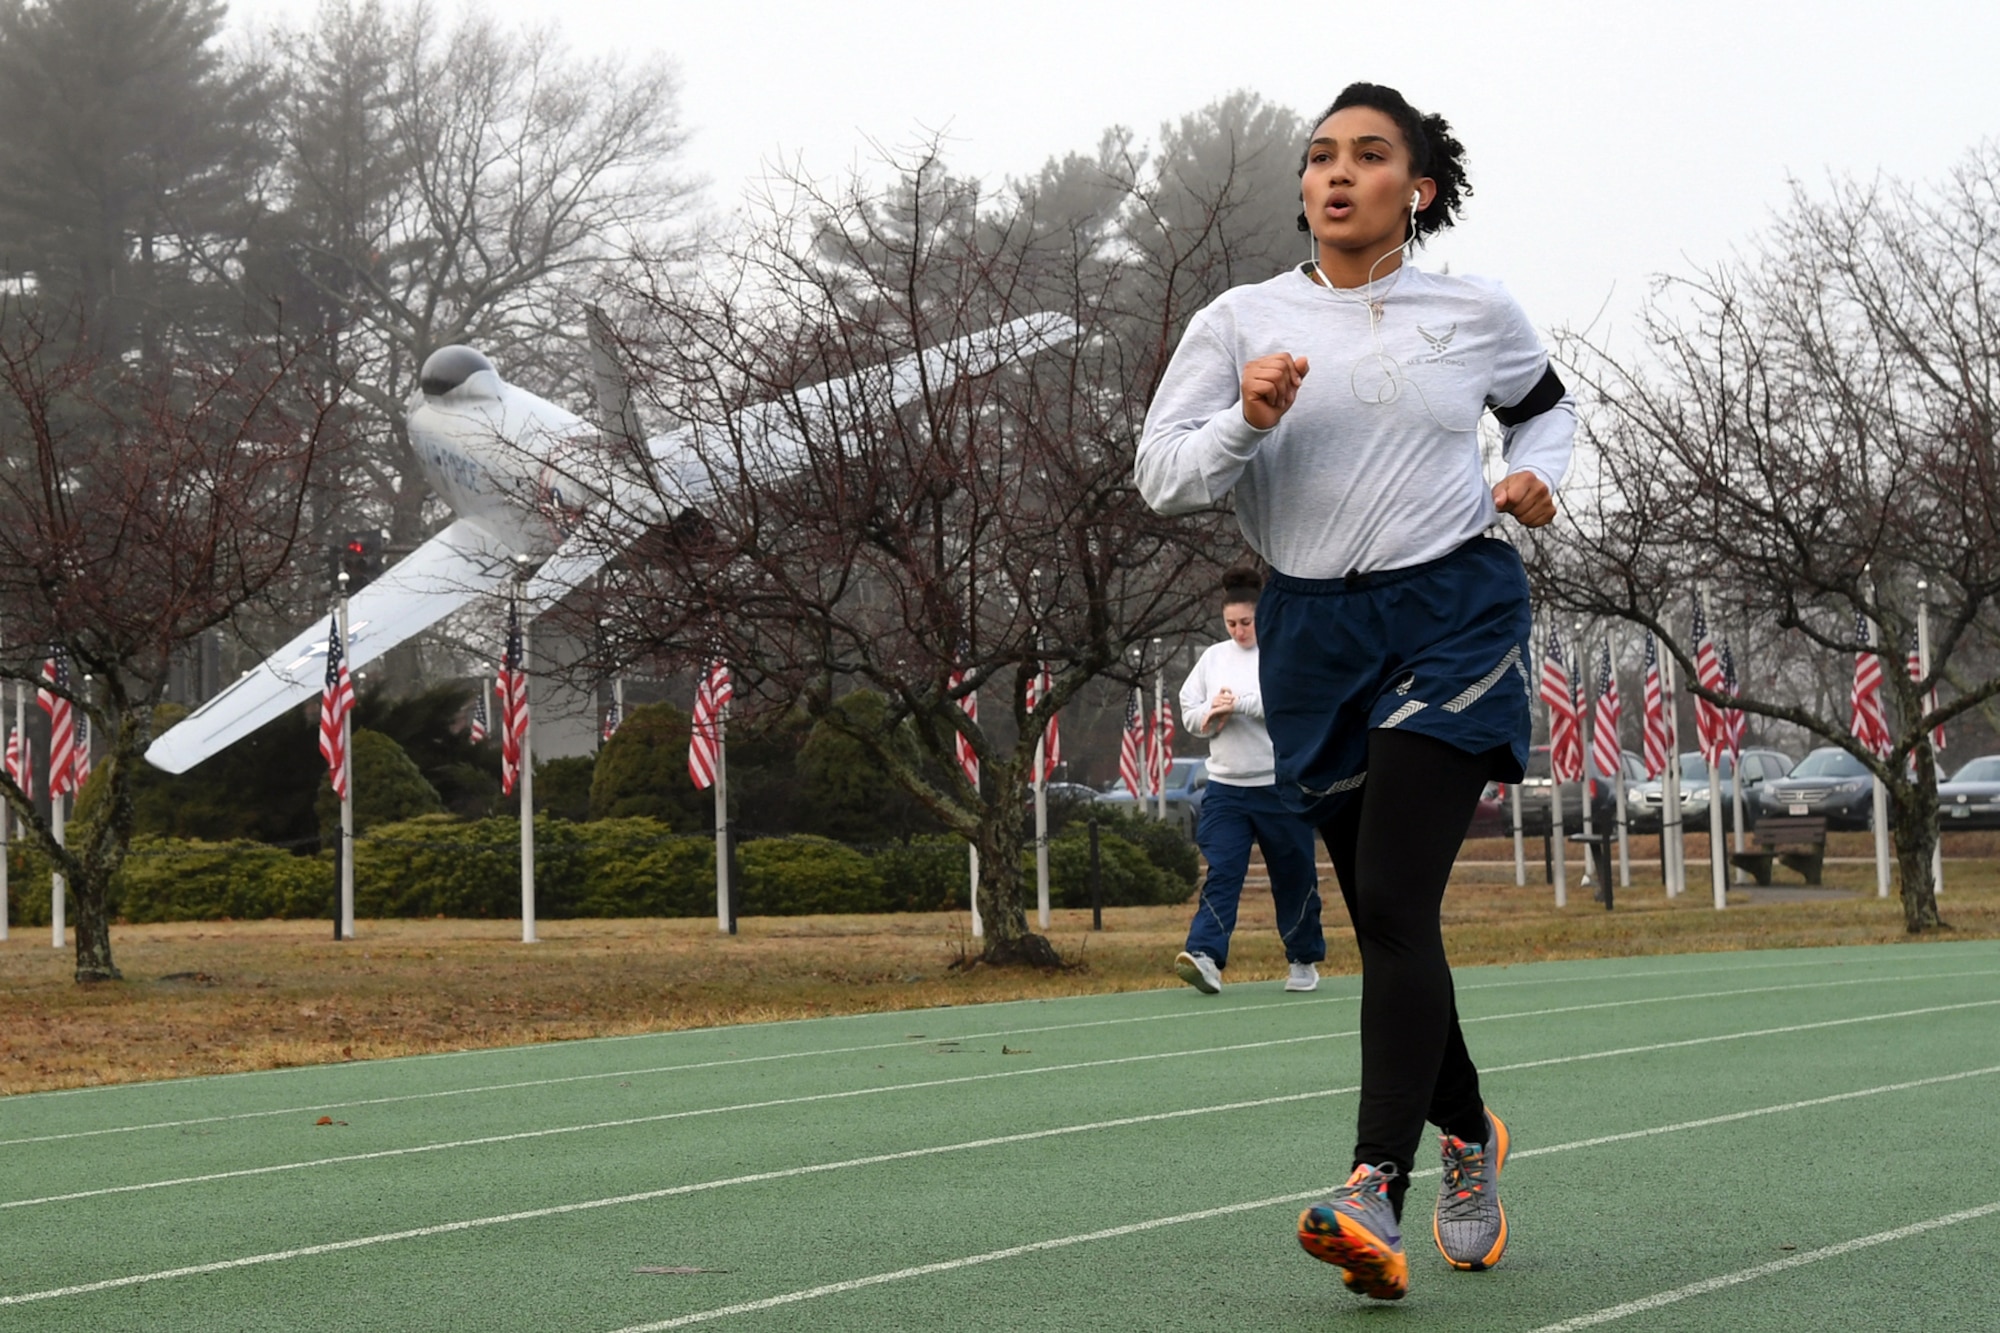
(453, 471)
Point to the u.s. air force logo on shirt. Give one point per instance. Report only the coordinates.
(1440, 347)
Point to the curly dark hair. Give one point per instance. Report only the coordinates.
(1434, 151)
(1241, 583)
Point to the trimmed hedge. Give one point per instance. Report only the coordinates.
(633, 867)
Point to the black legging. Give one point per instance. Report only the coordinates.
(1392, 851)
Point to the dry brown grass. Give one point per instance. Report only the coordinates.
(212, 998)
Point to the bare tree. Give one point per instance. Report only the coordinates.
(953, 542)
(136, 510)
(1815, 433)
(452, 180)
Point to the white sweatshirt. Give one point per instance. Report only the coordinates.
(1376, 466)
(1239, 754)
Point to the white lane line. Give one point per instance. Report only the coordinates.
(570, 1043)
(818, 1168)
(1017, 1073)
(847, 1094)
(1706, 1285)
(1132, 1228)
(906, 1044)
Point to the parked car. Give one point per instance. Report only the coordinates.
(1187, 783)
(1972, 798)
(1830, 783)
(1603, 799)
(1644, 801)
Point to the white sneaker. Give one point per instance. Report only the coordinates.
(1302, 976)
(1199, 971)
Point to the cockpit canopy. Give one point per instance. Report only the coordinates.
(449, 367)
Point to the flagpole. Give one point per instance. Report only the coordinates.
(1520, 851)
(1735, 733)
(346, 796)
(1159, 764)
(1558, 850)
(1586, 722)
(1673, 851)
(725, 911)
(57, 886)
(1718, 877)
(1937, 769)
(526, 782)
(1041, 817)
(1618, 782)
(1881, 796)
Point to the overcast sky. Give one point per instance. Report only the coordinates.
(1607, 142)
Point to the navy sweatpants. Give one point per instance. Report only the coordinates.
(1232, 818)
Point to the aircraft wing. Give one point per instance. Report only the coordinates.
(460, 563)
(773, 428)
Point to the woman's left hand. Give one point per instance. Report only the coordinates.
(1526, 497)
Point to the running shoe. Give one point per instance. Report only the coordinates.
(1356, 1232)
(1302, 977)
(1199, 971)
(1471, 1226)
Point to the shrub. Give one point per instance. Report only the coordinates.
(1164, 844)
(927, 874)
(802, 876)
(562, 787)
(183, 880)
(1128, 877)
(388, 787)
(637, 867)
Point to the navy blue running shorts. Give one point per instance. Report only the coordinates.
(1439, 648)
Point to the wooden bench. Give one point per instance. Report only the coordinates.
(1800, 844)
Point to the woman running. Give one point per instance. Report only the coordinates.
(1221, 700)
(1339, 404)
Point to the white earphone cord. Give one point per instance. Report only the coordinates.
(1391, 371)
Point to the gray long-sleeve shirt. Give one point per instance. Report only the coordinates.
(1376, 466)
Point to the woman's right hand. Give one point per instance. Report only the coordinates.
(1270, 384)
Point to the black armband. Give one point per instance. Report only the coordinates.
(1548, 391)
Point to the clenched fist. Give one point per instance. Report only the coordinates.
(1270, 383)
(1526, 497)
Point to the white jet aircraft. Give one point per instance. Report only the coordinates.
(522, 475)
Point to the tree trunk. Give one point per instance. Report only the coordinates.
(1008, 939)
(1913, 828)
(90, 899)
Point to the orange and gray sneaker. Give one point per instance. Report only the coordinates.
(1356, 1232)
(1471, 1226)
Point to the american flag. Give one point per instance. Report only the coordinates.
(336, 703)
(1160, 753)
(612, 717)
(1658, 739)
(1604, 747)
(20, 764)
(512, 682)
(1869, 725)
(476, 732)
(80, 756)
(1131, 766)
(1916, 665)
(1709, 727)
(62, 724)
(1565, 727)
(1734, 720)
(705, 735)
(961, 745)
(1039, 689)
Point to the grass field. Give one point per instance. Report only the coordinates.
(1752, 1140)
(204, 998)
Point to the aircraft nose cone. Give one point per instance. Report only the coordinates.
(449, 367)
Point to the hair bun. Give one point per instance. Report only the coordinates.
(1242, 579)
